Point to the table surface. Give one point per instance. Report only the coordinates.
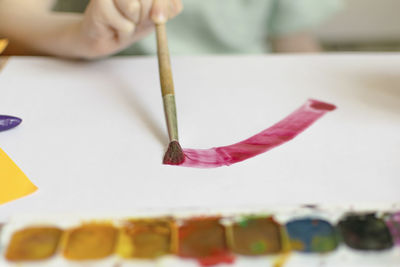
(3, 62)
(93, 134)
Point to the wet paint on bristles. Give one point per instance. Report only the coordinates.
(174, 154)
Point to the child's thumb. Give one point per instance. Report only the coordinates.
(159, 11)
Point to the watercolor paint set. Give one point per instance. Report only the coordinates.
(229, 238)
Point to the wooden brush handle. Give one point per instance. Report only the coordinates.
(164, 63)
(167, 83)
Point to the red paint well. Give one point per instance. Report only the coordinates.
(278, 134)
(226, 258)
(204, 240)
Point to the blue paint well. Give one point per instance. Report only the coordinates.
(312, 235)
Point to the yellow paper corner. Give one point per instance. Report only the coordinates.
(3, 44)
(14, 183)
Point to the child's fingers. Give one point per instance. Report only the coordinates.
(146, 6)
(175, 7)
(131, 9)
(139, 11)
(123, 28)
(160, 11)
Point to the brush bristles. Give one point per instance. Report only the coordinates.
(174, 154)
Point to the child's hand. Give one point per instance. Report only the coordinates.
(111, 25)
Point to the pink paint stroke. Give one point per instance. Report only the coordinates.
(278, 134)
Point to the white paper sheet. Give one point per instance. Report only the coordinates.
(93, 134)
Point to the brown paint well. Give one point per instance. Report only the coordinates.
(34, 243)
(91, 241)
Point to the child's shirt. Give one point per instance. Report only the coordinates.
(229, 26)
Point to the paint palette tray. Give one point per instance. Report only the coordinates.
(305, 236)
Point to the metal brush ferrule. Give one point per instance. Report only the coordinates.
(170, 116)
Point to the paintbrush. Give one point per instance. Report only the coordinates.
(174, 154)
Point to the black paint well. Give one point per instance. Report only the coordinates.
(365, 232)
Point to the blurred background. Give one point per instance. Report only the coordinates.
(361, 26)
(364, 25)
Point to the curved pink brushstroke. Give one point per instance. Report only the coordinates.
(280, 133)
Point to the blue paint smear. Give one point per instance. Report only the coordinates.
(308, 229)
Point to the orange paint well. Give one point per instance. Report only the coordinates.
(32, 244)
(90, 242)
